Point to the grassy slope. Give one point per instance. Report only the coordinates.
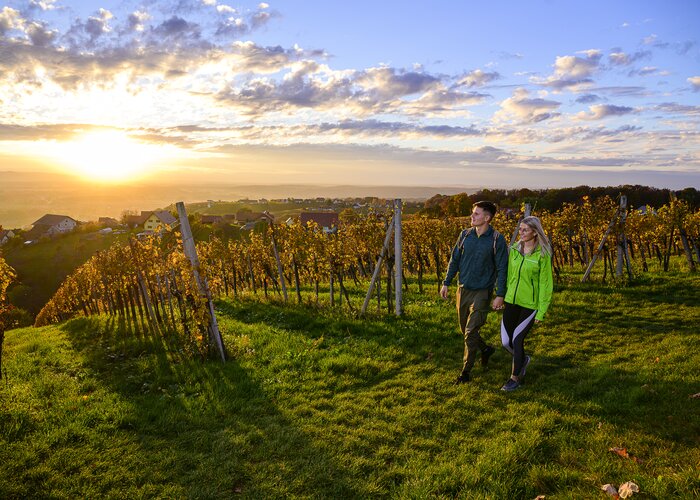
(319, 405)
(42, 267)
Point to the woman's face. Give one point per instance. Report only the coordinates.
(527, 233)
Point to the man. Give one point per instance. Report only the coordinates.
(481, 258)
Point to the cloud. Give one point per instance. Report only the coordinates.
(43, 4)
(526, 109)
(478, 78)
(575, 67)
(587, 99)
(675, 108)
(694, 81)
(619, 58)
(600, 111)
(385, 82)
(39, 35)
(441, 101)
(571, 72)
(136, 20)
(10, 19)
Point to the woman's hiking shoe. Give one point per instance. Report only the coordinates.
(486, 353)
(511, 385)
(527, 362)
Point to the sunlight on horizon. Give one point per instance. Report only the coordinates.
(110, 156)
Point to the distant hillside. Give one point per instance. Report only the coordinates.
(24, 197)
(42, 267)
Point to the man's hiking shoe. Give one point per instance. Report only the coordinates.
(463, 378)
(511, 385)
(486, 353)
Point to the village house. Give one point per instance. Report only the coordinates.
(159, 219)
(151, 220)
(245, 216)
(327, 221)
(51, 225)
(108, 222)
(6, 235)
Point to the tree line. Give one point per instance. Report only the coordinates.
(553, 200)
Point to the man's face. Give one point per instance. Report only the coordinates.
(480, 216)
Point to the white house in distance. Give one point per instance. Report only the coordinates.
(6, 235)
(52, 224)
(159, 218)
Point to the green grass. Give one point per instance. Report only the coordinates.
(317, 404)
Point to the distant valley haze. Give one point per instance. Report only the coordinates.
(25, 197)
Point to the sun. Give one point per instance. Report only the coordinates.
(109, 156)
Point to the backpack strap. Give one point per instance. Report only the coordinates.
(463, 237)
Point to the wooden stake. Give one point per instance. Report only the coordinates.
(378, 267)
(398, 268)
(191, 253)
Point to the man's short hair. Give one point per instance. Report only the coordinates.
(489, 206)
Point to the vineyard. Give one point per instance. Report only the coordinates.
(150, 285)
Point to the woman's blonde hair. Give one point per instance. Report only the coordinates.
(535, 224)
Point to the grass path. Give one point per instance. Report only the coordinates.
(318, 405)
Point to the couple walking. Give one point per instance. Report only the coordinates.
(522, 275)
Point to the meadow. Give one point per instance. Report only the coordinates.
(314, 403)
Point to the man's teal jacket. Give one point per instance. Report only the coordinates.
(480, 260)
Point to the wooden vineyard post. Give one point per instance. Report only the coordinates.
(191, 253)
(378, 267)
(528, 210)
(280, 270)
(622, 252)
(398, 269)
(614, 219)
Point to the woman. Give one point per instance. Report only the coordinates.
(528, 293)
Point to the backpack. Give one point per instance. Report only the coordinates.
(465, 233)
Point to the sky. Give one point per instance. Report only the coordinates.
(500, 94)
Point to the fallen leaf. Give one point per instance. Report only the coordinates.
(628, 489)
(620, 451)
(656, 360)
(540, 497)
(610, 490)
(695, 396)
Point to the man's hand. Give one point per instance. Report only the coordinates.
(497, 304)
(443, 291)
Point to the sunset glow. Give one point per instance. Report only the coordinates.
(460, 94)
(108, 156)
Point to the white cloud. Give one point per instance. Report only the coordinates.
(10, 19)
(572, 72)
(600, 111)
(577, 68)
(225, 9)
(44, 4)
(478, 78)
(695, 83)
(526, 109)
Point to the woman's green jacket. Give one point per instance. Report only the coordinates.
(530, 280)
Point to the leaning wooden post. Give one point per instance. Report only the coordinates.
(600, 247)
(528, 210)
(621, 243)
(378, 267)
(191, 253)
(398, 274)
(280, 270)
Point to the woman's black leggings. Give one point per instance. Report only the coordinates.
(516, 324)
